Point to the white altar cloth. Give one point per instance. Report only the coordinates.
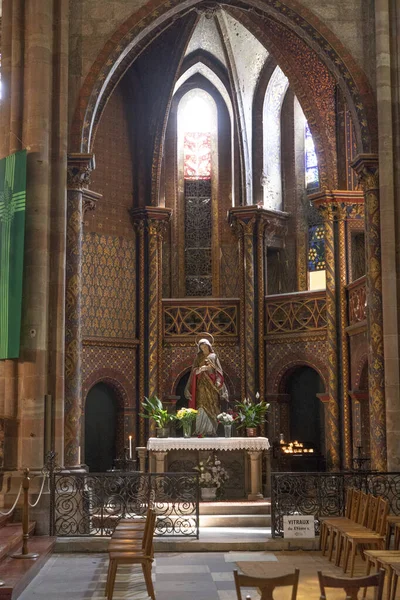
(217, 443)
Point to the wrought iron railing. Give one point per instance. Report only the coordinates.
(291, 313)
(187, 317)
(357, 300)
(323, 494)
(86, 504)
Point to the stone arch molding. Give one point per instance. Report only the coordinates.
(289, 368)
(116, 380)
(136, 33)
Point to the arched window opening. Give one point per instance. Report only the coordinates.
(197, 143)
(271, 179)
(310, 160)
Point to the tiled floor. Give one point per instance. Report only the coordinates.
(183, 576)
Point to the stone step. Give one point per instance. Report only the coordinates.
(262, 507)
(237, 520)
(11, 538)
(17, 574)
(212, 539)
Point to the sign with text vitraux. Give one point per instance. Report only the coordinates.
(298, 526)
(12, 234)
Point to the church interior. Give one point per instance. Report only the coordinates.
(202, 177)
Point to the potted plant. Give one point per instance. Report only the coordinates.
(153, 409)
(251, 414)
(185, 417)
(212, 477)
(227, 421)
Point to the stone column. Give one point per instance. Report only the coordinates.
(79, 169)
(160, 458)
(244, 220)
(332, 435)
(150, 222)
(342, 203)
(366, 167)
(255, 479)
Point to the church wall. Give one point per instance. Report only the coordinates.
(109, 265)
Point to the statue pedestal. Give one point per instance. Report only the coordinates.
(254, 449)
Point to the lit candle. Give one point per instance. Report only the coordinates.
(130, 447)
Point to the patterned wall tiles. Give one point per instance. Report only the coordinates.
(101, 363)
(108, 291)
(282, 357)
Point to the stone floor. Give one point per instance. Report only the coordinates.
(180, 576)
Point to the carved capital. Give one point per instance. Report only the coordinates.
(339, 204)
(79, 168)
(153, 219)
(90, 200)
(366, 167)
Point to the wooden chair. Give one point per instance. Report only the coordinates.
(352, 586)
(328, 523)
(358, 519)
(266, 585)
(391, 523)
(133, 552)
(363, 536)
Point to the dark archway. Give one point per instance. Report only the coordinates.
(100, 428)
(306, 411)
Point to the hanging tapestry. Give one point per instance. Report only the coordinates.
(12, 232)
(197, 156)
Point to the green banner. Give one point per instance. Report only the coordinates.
(12, 233)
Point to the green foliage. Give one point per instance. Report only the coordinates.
(249, 414)
(153, 409)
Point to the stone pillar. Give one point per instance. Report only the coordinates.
(342, 203)
(36, 113)
(366, 167)
(244, 220)
(255, 227)
(79, 169)
(150, 222)
(255, 479)
(332, 407)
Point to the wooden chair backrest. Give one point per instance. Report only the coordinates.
(362, 509)
(266, 585)
(372, 511)
(349, 498)
(149, 532)
(355, 503)
(352, 585)
(382, 513)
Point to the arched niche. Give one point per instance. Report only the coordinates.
(101, 419)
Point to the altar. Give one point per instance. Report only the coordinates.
(182, 454)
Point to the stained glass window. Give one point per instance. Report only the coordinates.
(311, 162)
(197, 155)
(316, 248)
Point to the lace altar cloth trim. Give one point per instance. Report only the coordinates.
(238, 443)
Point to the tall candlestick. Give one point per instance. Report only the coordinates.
(130, 447)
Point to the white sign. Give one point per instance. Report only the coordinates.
(298, 526)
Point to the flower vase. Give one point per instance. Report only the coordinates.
(187, 429)
(228, 430)
(209, 494)
(251, 431)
